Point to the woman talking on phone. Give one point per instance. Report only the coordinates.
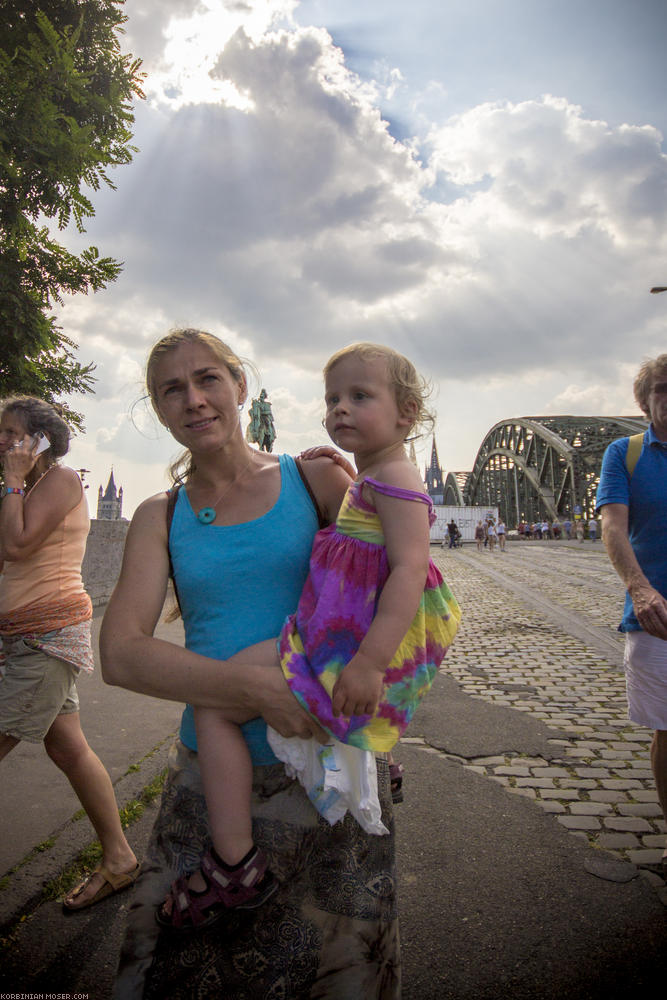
(45, 617)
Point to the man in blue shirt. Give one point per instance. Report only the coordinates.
(633, 504)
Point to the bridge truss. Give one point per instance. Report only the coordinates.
(543, 467)
(454, 488)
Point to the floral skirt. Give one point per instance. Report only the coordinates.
(331, 930)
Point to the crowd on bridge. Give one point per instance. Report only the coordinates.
(491, 532)
(567, 530)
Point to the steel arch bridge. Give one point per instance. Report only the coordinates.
(453, 489)
(534, 468)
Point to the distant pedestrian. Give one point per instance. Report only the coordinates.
(479, 535)
(453, 532)
(556, 529)
(579, 529)
(593, 529)
(491, 535)
(632, 498)
(546, 531)
(567, 525)
(501, 531)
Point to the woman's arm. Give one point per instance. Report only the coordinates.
(329, 482)
(26, 523)
(407, 536)
(133, 658)
(328, 451)
(649, 605)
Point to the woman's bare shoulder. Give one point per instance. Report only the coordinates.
(58, 484)
(152, 511)
(60, 474)
(63, 472)
(157, 501)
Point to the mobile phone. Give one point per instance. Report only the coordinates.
(40, 439)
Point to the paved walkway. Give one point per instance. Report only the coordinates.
(540, 636)
(122, 727)
(528, 796)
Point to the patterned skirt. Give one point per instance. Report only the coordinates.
(331, 930)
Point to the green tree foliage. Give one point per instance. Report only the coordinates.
(66, 93)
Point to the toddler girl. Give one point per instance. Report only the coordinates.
(373, 624)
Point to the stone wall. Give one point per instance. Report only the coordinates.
(102, 561)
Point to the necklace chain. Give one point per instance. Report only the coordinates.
(39, 478)
(208, 514)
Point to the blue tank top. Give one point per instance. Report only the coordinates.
(237, 583)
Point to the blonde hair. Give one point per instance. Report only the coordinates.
(644, 379)
(410, 388)
(184, 466)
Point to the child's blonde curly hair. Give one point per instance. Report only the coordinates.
(411, 389)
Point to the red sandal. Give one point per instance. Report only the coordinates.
(243, 888)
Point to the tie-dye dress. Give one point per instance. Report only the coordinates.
(348, 569)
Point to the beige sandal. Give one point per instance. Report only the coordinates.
(112, 884)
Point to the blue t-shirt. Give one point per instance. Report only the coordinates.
(237, 583)
(645, 495)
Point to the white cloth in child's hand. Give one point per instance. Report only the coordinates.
(337, 778)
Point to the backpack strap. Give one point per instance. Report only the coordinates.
(321, 520)
(172, 497)
(635, 445)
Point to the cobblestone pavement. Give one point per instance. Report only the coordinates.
(521, 645)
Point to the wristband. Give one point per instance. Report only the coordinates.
(13, 489)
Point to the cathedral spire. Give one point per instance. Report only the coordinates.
(434, 477)
(110, 503)
(110, 492)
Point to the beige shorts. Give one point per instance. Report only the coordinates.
(34, 690)
(646, 679)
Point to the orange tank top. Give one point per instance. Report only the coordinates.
(53, 573)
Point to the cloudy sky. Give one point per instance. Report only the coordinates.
(481, 184)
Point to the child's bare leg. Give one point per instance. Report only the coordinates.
(226, 771)
(261, 654)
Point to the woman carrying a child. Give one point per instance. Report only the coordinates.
(240, 540)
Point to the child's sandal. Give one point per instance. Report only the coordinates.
(243, 889)
(396, 780)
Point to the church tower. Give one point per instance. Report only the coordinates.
(110, 502)
(434, 478)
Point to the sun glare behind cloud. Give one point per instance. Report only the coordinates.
(193, 45)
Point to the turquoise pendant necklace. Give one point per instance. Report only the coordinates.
(206, 515)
